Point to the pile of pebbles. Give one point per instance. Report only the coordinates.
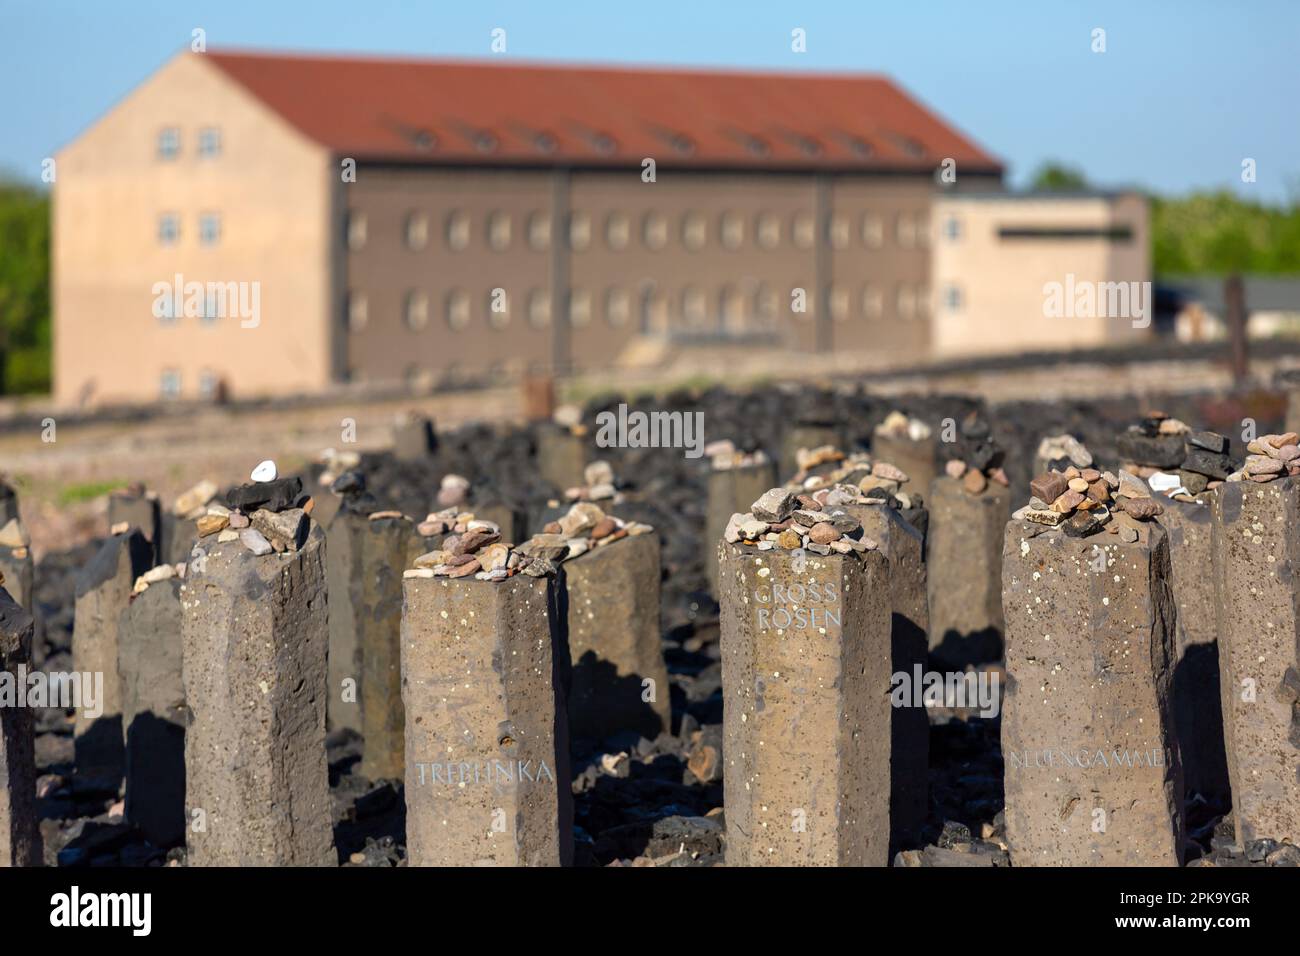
(1082, 502)
(724, 456)
(1269, 457)
(899, 425)
(854, 479)
(1174, 458)
(782, 519)
(597, 484)
(978, 458)
(476, 547)
(1061, 451)
(268, 515)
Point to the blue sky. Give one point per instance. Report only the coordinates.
(1184, 92)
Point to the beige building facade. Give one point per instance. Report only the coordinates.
(255, 225)
(1015, 273)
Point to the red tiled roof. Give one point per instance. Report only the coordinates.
(457, 112)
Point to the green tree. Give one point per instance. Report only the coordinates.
(24, 289)
(1057, 177)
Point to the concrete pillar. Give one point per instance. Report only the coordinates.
(414, 438)
(806, 435)
(364, 564)
(387, 546)
(176, 538)
(487, 763)
(8, 503)
(20, 836)
(255, 639)
(1255, 538)
(561, 455)
(153, 712)
(103, 592)
(1198, 713)
(964, 570)
(904, 549)
(343, 569)
(1092, 772)
(615, 642)
(1292, 410)
(731, 491)
(138, 509)
(919, 460)
(806, 715)
(16, 571)
(501, 514)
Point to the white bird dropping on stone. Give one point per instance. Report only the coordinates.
(265, 471)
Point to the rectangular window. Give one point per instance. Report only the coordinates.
(208, 383)
(210, 228)
(169, 142)
(169, 229)
(209, 142)
(952, 298)
(952, 228)
(169, 385)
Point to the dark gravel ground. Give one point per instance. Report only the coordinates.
(641, 801)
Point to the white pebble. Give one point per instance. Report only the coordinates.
(265, 471)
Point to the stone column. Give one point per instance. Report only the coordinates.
(364, 564)
(255, 639)
(413, 438)
(103, 592)
(502, 515)
(904, 549)
(561, 456)
(387, 546)
(615, 642)
(1198, 712)
(487, 768)
(16, 570)
(138, 509)
(1293, 410)
(20, 835)
(1255, 535)
(176, 536)
(343, 569)
(153, 712)
(806, 715)
(918, 459)
(731, 491)
(964, 571)
(1092, 771)
(8, 503)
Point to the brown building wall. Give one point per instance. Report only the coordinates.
(692, 254)
(879, 240)
(385, 269)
